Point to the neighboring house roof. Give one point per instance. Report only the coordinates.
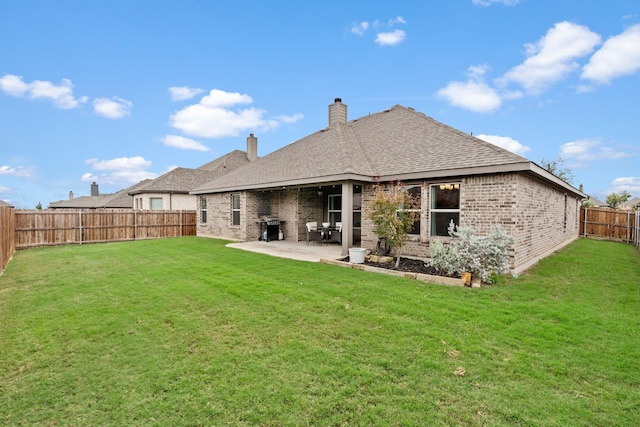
(119, 200)
(595, 202)
(395, 144)
(6, 204)
(222, 164)
(183, 180)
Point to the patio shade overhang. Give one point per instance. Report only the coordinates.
(526, 167)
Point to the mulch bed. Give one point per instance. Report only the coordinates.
(407, 264)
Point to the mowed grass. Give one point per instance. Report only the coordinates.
(188, 332)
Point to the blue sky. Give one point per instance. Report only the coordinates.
(120, 91)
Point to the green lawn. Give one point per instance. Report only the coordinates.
(188, 332)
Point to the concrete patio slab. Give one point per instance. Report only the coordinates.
(312, 252)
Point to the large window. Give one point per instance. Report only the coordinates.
(335, 209)
(203, 209)
(445, 207)
(235, 209)
(155, 203)
(416, 194)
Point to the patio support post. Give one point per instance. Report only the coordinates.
(347, 217)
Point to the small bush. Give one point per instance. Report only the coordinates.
(483, 256)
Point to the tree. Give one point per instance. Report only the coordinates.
(39, 206)
(616, 199)
(391, 215)
(556, 167)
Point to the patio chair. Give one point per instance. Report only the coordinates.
(313, 234)
(336, 235)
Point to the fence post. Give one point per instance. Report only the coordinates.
(638, 229)
(180, 222)
(584, 229)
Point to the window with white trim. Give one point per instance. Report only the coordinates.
(155, 203)
(235, 209)
(444, 207)
(203, 209)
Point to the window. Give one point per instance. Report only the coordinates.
(445, 207)
(357, 206)
(335, 208)
(203, 209)
(415, 191)
(235, 209)
(156, 203)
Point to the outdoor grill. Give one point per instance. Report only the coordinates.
(269, 227)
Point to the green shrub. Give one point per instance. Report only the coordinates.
(483, 256)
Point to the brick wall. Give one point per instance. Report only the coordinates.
(540, 217)
(219, 217)
(310, 208)
(169, 201)
(546, 220)
(294, 207)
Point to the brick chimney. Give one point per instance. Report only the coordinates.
(337, 112)
(252, 148)
(94, 189)
(70, 195)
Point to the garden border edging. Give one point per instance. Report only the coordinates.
(437, 280)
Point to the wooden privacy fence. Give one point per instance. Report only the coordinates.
(61, 227)
(7, 235)
(610, 224)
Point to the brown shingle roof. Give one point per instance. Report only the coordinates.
(388, 145)
(119, 200)
(183, 180)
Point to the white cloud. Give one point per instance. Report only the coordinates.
(183, 143)
(360, 28)
(114, 108)
(472, 95)
(506, 142)
(619, 56)
(490, 2)
(13, 85)
(391, 38)
(128, 163)
(219, 98)
(61, 95)
(119, 171)
(181, 93)
(215, 117)
(629, 183)
(552, 57)
(290, 119)
(586, 150)
(386, 34)
(12, 171)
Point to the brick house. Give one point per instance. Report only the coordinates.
(170, 191)
(329, 176)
